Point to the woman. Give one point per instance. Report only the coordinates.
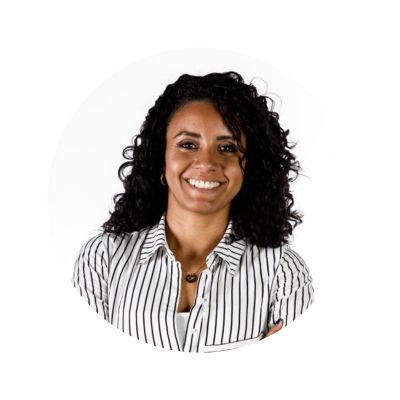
(195, 256)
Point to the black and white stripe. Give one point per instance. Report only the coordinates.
(133, 281)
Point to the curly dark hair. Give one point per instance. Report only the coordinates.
(262, 210)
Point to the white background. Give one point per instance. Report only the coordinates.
(343, 55)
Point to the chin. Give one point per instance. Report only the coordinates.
(204, 209)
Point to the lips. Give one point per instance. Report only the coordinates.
(204, 190)
(204, 180)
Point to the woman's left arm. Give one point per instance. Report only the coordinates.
(292, 290)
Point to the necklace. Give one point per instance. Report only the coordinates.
(191, 276)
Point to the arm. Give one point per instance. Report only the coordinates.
(90, 276)
(292, 291)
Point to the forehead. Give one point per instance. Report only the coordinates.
(200, 117)
(200, 113)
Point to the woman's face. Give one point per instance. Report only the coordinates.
(200, 147)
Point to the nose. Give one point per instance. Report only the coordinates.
(206, 158)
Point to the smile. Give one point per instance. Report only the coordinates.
(203, 186)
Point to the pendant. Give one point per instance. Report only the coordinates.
(191, 278)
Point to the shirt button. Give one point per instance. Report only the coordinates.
(194, 330)
(205, 301)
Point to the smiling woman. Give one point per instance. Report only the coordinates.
(195, 255)
(202, 169)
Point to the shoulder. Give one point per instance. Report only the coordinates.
(269, 258)
(291, 261)
(113, 243)
(288, 253)
(93, 243)
(280, 257)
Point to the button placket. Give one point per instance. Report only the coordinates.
(203, 302)
(199, 305)
(197, 314)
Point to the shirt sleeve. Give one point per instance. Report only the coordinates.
(292, 291)
(90, 276)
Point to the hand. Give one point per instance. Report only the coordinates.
(275, 328)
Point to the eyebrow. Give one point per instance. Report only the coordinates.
(198, 135)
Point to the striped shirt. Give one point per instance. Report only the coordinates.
(133, 280)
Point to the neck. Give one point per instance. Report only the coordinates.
(192, 236)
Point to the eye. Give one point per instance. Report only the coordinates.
(185, 145)
(231, 148)
(226, 148)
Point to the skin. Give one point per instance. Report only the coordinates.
(274, 329)
(196, 221)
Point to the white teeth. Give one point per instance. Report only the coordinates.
(203, 185)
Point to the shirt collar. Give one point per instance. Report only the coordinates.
(231, 253)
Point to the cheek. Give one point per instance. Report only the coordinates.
(175, 161)
(234, 170)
